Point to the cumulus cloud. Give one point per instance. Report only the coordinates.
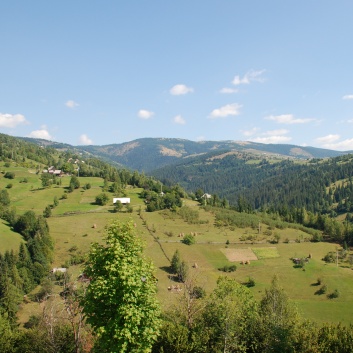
(179, 90)
(179, 120)
(71, 104)
(12, 120)
(328, 139)
(348, 97)
(344, 145)
(227, 90)
(250, 76)
(85, 140)
(288, 119)
(273, 136)
(41, 134)
(272, 139)
(226, 110)
(145, 114)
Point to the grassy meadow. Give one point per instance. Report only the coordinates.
(77, 222)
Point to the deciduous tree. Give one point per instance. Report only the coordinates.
(120, 301)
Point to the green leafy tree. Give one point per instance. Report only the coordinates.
(74, 183)
(47, 180)
(120, 302)
(47, 211)
(102, 199)
(278, 319)
(4, 198)
(230, 317)
(176, 261)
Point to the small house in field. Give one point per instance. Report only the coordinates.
(123, 200)
(59, 269)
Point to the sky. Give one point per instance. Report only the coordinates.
(103, 72)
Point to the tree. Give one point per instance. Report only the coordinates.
(47, 211)
(102, 199)
(120, 301)
(47, 180)
(278, 319)
(74, 183)
(4, 198)
(230, 317)
(175, 263)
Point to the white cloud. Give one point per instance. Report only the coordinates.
(275, 132)
(71, 104)
(12, 120)
(145, 114)
(85, 140)
(344, 145)
(41, 134)
(226, 110)
(328, 139)
(179, 90)
(250, 132)
(272, 139)
(227, 90)
(350, 121)
(250, 76)
(273, 136)
(348, 97)
(179, 120)
(288, 119)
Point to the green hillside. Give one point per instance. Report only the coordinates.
(312, 265)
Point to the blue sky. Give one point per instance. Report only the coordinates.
(102, 72)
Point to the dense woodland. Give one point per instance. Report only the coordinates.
(228, 319)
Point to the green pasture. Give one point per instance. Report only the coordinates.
(9, 240)
(77, 222)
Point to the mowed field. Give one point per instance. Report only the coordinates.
(77, 222)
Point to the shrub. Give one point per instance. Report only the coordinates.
(250, 282)
(189, 239)
(227, 268)
(334, 294)
(198, 292)
(102, 199)
(330, 257)
(9, 175)
(9, 186)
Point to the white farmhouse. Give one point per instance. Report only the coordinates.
(123, 200)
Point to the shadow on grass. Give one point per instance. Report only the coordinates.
(167, 269)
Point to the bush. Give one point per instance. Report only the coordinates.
(102, 199)
(227, 268)
(9, 186)
(9, 175)
(250, 282)
(334, 294)
(189, 239)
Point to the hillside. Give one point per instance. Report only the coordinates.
(77, 220)
(57, 218)
(148, 154)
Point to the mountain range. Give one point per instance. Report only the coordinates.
(149, 154)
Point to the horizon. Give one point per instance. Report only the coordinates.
(88, 73)
(183, 139)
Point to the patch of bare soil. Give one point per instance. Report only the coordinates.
(234, 255)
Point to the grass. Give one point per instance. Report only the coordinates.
(266, 253)
(77, 221)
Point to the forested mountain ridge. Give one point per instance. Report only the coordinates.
(147, 154)
(276, 184)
